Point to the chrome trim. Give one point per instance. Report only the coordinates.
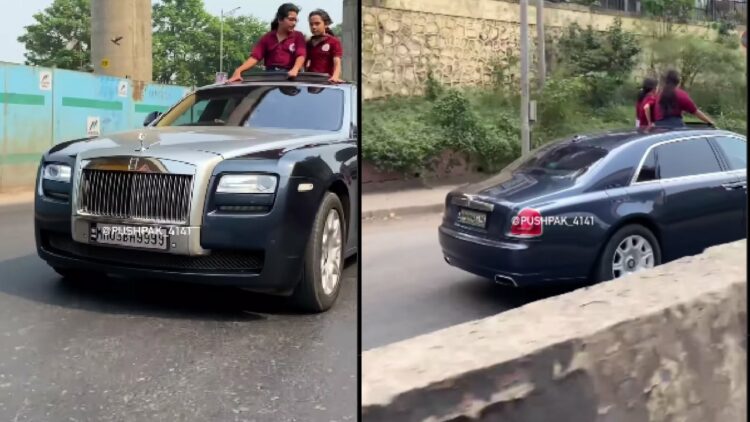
(468, 201)
(633, 179)
(481, 241)
(504, 280)
(132, 163)
(115, 194)
(196, 191)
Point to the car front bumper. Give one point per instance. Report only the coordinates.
(248, 251)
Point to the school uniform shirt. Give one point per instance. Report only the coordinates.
(640, 113)
(322, 54)
(280, 54)
(684, 104)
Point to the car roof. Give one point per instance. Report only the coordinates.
(280, 79)
(612, 139)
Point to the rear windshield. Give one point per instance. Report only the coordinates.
(563, 160)
(271, 107)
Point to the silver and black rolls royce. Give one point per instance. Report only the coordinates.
(251, 184)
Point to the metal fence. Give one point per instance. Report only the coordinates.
(732, 11)
(41, 107)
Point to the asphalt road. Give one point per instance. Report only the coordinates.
(145, 350)
(409, 290)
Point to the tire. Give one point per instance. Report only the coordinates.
(312, 294)
(604, 267)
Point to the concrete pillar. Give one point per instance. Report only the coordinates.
(121, 37)
(350, 39)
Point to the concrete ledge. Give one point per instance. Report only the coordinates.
(666, 345)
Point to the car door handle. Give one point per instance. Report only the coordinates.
(734, 185)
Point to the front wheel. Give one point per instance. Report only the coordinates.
(631, 249)
(324, 258)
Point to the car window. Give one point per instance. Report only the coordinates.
(686, 158)
(564, 159)
(192, 115)
(648, 169)
(735, 150)
(299, 108)
(264, 106)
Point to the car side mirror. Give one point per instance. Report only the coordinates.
(353, 131)
(151, 117)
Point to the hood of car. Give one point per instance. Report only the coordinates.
(173, 142)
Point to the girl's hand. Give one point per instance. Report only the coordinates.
(236, 76)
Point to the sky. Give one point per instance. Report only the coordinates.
(14, 19)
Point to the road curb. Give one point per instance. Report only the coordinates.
(401, 211)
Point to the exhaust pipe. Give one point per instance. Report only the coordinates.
(504, 280)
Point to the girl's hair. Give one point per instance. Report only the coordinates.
(282, 13)
(668, 101)
(649, 84)
(326, 19)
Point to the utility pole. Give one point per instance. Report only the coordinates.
(525, 141)
(541, 58)
(221, 37)
(351, 41)
(121, 38)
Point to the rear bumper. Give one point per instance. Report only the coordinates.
(520, 263)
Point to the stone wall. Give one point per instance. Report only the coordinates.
(460, 42)
(667, 345)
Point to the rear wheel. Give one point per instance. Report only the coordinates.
(631, 249)
(324, 258)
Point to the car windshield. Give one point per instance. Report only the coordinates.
(267, 106)
(568, 159)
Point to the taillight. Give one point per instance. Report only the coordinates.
(527, 223)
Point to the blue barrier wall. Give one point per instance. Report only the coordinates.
(42, 107)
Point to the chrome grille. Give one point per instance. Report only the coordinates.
(155, 197)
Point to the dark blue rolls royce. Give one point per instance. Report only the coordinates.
(597, 207)
(250, 184)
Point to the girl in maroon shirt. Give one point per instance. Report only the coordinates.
(282, 48)
(645, 100)
(671, 102)
(324, 50)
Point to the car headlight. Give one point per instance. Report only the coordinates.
(57, 173)
(247, 183)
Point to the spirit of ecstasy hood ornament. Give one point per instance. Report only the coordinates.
(142, 137)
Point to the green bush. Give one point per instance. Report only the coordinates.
(396, 135)
(463, 130)
(586, 52)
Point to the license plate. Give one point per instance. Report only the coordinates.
(130, 236)
(472, 218)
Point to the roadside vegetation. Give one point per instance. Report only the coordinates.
(592, 83)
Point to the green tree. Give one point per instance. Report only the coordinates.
(182, 39)
(240, 35)
(586, 51)
(668, 12)
(61, 36)
(186, 42)
(604, 59)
